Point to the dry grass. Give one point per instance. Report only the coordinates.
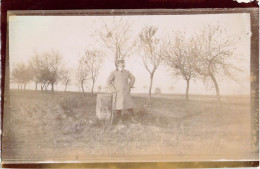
(45, 126)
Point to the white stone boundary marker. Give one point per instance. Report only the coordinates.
(104, 106)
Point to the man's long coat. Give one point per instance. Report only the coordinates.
(118, 82)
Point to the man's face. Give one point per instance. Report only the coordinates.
(121, 66)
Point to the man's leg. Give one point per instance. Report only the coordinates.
(117, 116)
(118, 113)
(131, 113)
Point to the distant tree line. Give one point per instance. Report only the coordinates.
(47, 69)
(44, 69)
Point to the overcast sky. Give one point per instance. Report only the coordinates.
(71, 35)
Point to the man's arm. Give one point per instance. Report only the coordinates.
(132, 79)
(110, 83)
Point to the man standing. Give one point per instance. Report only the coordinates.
(119, 84)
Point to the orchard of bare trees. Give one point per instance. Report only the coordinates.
(44, 69)
(88, 69)
(21, 75)
(205, 56)
(47, 69)
(153, 52)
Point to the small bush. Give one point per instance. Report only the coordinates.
(76, 128)
(68, 105)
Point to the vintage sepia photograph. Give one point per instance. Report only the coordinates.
(98, 87)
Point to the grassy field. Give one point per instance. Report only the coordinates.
(56, 127)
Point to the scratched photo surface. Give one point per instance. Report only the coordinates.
(128, 88)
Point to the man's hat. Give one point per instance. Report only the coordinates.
(120, 61)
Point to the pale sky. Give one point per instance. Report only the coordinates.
(71, 35)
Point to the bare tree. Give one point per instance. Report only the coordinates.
(27, 77)
(17, 74)
(47, 68)
(117, 38)
(82, 73)
(180, 60)
(153, 52)
(93, 60)
(35, 64)
(22, 75)
(215, 57)
(65, 79)
(55, 64)
(40, 69)
(44, 77)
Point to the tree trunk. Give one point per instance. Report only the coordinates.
(187, 89)
(42, 86)
(65, 88)
(18, 85)
(36, 86)
(151, 85)
(92, 89)
(46, 86)
(24, 86)
(216, 86)
(82, 88)
(52, 87)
